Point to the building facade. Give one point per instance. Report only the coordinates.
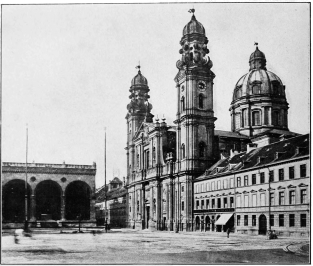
(263, 189)
(113, 199)
(166, 163)
(56, 192)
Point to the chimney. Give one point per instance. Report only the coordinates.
(233, 153)
(251, 147)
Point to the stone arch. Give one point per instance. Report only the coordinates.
(207, 223)
(197, 223)
(77, 201)
(13, 201)
(48, 200)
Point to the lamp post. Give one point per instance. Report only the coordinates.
(105, 180)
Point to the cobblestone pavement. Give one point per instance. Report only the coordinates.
(145, 247)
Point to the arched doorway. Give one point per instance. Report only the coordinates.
(48, 200)
(13, 201)
(262, 224)
(77, 201)
(207, 223)
(213, 223)
(197, 223)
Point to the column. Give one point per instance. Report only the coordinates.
(151, 204)
(143, 207)
(270, 116)
(158, 199)
(62, 206)
(171, 205)
(32, 208)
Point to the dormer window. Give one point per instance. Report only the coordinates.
(256, 89)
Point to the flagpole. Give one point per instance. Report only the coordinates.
(105, 179)
(26, 209)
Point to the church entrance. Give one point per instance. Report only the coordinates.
(262, 224)
(147, 216)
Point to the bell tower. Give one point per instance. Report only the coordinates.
(139, 111)
(195, 116)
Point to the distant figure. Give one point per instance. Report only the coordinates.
(17, 235)
(227, 232)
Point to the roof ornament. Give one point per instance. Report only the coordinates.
(192, 10)
(138, 67)
(256, 44)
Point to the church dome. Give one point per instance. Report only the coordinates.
(193, 26)
(258, 82)
(139, 79)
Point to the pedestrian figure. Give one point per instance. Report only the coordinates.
(227, 232)
(17, 235)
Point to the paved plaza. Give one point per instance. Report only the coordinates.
(146, 247)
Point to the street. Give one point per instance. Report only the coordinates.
(144, 247)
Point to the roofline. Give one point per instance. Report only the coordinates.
(254, 168)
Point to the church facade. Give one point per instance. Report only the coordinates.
(164, 161)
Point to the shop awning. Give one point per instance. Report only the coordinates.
(223, 219)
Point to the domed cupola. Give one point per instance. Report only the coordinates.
(139, 80)
(259, 100)
(139, 96)
(193, 26)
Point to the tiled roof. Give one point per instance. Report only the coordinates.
(229, 134)
(112, 194)
(275, 152)
(278, 132)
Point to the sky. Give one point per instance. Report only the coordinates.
(67, 69)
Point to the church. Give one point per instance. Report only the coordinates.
(164, 161)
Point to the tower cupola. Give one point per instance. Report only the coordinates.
(257, 59)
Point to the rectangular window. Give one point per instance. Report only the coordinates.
(238, 181)
(197, 204)
(262, 178)
(219, 203)
(292, 197)
(197, 188)
(213, 203)
(231, 182)
(272, 219)
(271, 176)
(245, 220)
(231, 199)
(253, 179)
(225, 184)
(202, 204)
(303, 220)
(213, 186)
(303, 196)
(291, 172)
(253, 200)
(225, 202)
(238, 201)
(253, 220)
(303, 170)
(246, 201)
(272, 199)
(182, 189)
(208, 204)
(281, 220)
(282, 198)
(245, 180)
(218, 184)
(207, 186)
(130, 208)
(182, 205)
(291, 220)
(281, 174)
(202, 187)
(262, 197)
(238, 220)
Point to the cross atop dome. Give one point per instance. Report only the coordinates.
(138, 67)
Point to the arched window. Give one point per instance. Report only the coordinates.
(201, 101)
(275, 118)
(183, 151)
(266, 115)
(238, 93)
(138, 160)
(201, 149)
(237, 121)
(147, 159)
(256, 118)
(244, 119)
(182, 103)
